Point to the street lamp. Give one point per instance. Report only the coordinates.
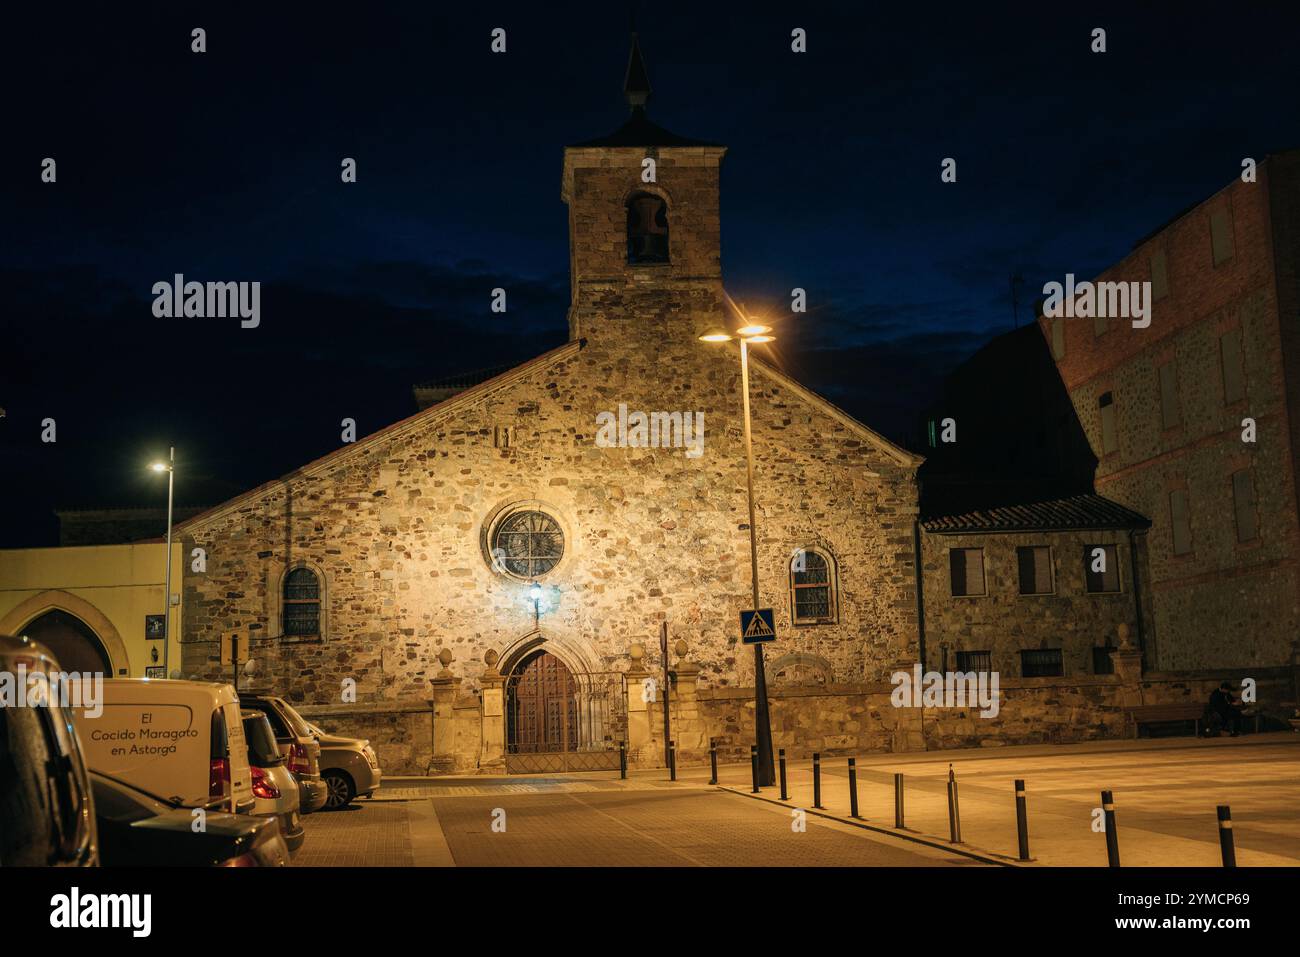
(170, 468)
(535, 593)
(753, 333)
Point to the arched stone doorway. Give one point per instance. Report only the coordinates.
(74, 644)
(558, 719)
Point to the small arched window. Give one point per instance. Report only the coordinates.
(301, 603)
(812, 587)
(647, 229)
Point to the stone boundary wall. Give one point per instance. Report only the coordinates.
(411, 739)
(845, 719)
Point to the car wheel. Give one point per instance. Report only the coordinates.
(341, 790)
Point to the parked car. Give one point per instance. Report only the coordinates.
(46, 814)
(296, 743)
(139, 829)
(180, 739)
(275, 792)
(349, 767)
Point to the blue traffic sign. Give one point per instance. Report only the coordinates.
(757, 625)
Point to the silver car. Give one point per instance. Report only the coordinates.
(349, 766)
(275, 792)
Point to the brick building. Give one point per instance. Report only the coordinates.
(1169, 409)
(493, 524)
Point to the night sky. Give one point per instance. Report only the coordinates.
(225, 166)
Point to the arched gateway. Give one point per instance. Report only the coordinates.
(561, 720)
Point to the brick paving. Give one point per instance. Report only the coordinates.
(679, 828)
(364, 835)
(605, 824)
(1165, 793)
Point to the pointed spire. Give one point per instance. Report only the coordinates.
(636, 84)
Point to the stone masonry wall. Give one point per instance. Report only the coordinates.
(1004, 621)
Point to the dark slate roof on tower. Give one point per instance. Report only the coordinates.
(638, 130)
(1077, 513)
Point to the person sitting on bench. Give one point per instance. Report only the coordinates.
(1223, 711)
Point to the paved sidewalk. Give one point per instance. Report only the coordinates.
(1165, 793)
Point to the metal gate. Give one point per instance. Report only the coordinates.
(560, 721)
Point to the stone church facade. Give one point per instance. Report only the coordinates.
(494, 525)
(488, 580)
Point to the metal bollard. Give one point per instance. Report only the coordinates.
(672, 760)
(1022, 820)
(898, 800)
(954, 810)
(753, 765)
(853, 787)
(1225, 836)
(622, 760)
(784, 794)
(1112, 836)
(713, 760)
(817, 781)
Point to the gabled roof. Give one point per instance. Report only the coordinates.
(470, 395)
(1077, 513)
(896, 452)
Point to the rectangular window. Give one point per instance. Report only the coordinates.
(1035, 563)
(974, 661)
(1041, 663)
(1180, 522)
(1169, 415)
(1221, 236)
(1234, 372)
(966, 570)
(1058, 339)
(1101, 568)
(1243, 505)
(1109, 436)
(1102, 663)
(1159, 275)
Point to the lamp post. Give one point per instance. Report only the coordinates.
(170, 468)
(762, 721)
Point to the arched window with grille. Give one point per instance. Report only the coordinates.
(302, 598)
(647, 229)
(813, 598)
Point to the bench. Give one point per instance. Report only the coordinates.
(1165, 713)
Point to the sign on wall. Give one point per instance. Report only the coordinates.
(154, 626)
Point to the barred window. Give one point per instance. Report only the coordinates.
(528, 544)
(812, 587)
(975, 661)
(1041, 663)
(301, 602)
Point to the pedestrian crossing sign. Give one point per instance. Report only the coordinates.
(757, 625)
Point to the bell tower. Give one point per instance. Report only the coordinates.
(644, 231)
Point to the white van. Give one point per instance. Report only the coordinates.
(182, 741)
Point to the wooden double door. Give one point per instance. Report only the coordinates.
(542, 707)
